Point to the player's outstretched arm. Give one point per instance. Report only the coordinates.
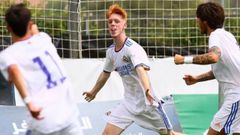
(102, 79)
(17, 78)
(211, 57)
(142, 73)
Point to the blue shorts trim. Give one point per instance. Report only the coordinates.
(231, 117)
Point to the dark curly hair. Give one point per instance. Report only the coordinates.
(18, 17)
(212, 13)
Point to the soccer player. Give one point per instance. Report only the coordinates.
(130, 60)
(224, 57)
(33, 65)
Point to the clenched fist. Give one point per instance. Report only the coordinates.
(178, 59)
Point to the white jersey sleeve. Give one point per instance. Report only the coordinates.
(6, 59)
(139, 57)
(45, 36)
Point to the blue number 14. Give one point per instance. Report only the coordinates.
(51, 83)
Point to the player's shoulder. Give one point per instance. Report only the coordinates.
(219, 31)
(130, 43)
(42, 35)
(111, 47)
(10, 50)
(14, 46)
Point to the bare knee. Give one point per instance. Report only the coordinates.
(112, 130)
(107, 131)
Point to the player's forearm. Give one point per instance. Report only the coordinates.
(206, 76)
(208, 58)
(143, 77)
(204, 59)
(102, 79)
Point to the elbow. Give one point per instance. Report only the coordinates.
(12, 69)
(214, 58)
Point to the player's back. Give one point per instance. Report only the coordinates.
(45, 78)
(39, 62)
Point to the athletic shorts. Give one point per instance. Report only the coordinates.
(227, 118)
(150, 119)
(73, 129)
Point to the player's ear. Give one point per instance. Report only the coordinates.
(33, 28)
(205, 23)
(30, 23)
(9, 29)
(125, 25)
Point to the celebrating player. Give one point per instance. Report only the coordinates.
(33, 65)
(224, 57)
(130, 60)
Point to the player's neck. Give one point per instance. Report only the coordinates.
(16, 38)
(209, 30)
(119, 41)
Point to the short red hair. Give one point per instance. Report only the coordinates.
(116, 9)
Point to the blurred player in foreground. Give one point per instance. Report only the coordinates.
(224, 57)
(130, 60)
(33, 65)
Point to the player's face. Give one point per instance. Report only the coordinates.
(116, 25)
(202, 26)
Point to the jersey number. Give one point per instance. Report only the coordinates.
(50, 82)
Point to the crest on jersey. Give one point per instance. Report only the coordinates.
(125, 59)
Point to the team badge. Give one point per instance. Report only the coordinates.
(125, 59)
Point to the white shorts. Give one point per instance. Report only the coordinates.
(150, 119)
(73, 129)
(227, 118)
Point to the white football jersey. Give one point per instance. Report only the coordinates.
(45, 78)
(227, 69)
(124, 62)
